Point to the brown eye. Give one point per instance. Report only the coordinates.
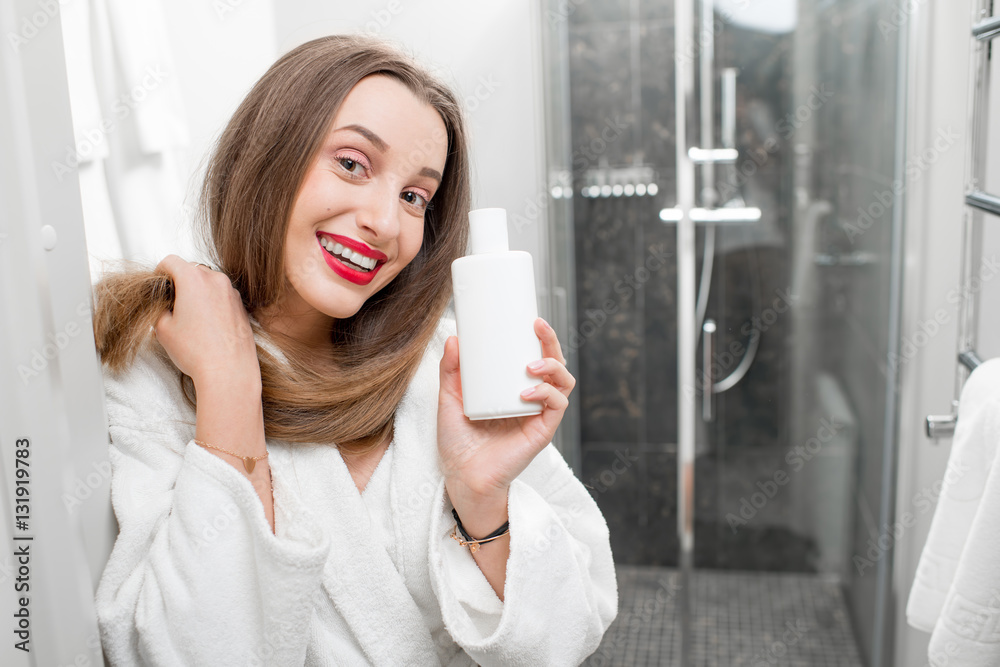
(354, 167)
(411, 197)
(348, 163)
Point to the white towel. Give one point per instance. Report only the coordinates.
(956, 592)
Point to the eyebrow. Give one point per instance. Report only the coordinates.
(378, 142)
(369, 135)
(431, 173)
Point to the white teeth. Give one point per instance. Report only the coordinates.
(346, 253)
(361, 260)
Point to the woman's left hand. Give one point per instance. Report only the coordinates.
(480, 459)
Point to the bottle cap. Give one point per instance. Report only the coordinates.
(488, 231)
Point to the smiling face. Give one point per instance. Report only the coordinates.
(358, 218)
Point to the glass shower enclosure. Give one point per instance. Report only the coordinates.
(723, 180)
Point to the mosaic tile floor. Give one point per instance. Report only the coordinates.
(749, 619)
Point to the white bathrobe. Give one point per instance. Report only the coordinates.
(197, 578)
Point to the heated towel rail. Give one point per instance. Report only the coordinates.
(978, 204)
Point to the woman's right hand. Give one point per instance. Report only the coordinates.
(208, 337)
(208, 334)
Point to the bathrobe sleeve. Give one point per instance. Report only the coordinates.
(196, 576)
(560, 594)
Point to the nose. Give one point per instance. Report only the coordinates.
(378, 214)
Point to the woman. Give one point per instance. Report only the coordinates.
(290, 457)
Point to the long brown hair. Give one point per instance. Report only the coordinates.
(251, 183)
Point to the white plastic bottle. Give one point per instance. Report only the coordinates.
(495, 310)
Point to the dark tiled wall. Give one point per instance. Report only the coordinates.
(619, 239)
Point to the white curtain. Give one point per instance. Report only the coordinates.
(151, 84)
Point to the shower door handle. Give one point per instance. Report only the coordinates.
(940, 426)
(707, 351)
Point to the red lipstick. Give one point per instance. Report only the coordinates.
(342, 269)
(356, 246)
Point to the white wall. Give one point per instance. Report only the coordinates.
(938, 98)
(989, 295)
(219, 50)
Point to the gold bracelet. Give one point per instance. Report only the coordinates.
(248, 461)
(474, 544)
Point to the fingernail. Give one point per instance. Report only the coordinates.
(547, 325)
(528, 392)
(536, 365)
